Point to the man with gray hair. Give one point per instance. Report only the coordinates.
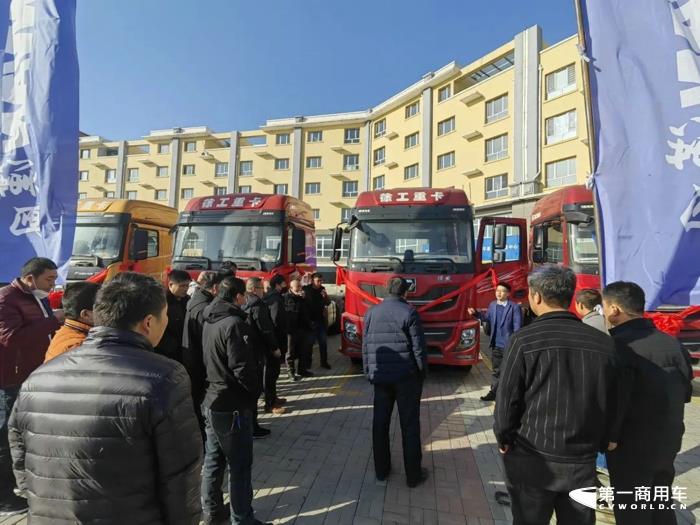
(553, 406)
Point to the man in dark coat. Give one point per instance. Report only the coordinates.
(504, 318)
(395, 360)
(26, 326)
(232, 395)
(171, 344)
(106, 433)
(317, 299)
(299, 328)
(653, 393)
(265, 342)
(192, 336)
(553, 410)
(274, 299)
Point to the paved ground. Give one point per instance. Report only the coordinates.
(316, 467)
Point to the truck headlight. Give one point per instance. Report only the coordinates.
(467, 338)
(350, 331)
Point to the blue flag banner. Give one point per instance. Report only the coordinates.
(645, 91)
(39, 132)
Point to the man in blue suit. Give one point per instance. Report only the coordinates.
(504, 318)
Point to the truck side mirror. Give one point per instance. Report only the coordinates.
(298, 246)
(539, 256)
(499, 237)
(139, 245)
(337, 243)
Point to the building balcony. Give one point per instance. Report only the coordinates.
(473, 135)
(472, 98)
(473, 172)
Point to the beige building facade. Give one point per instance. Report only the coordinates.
(507, 128)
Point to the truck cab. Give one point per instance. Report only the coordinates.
(562, 231)
(426, 235)
(116, 235)
(263, 234)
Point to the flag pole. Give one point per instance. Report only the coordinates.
(585, 77)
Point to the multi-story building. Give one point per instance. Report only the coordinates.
(506, 128)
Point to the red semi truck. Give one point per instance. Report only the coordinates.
(562, 230)
(426, 235)
(263, 234)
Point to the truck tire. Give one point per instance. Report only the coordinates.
(356, 360)
(467, 369)
(334, 314)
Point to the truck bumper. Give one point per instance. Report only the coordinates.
(442, 341)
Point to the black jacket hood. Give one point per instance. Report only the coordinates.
(220, 309)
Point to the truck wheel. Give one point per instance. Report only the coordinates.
(467, 369)
(356, 360)
(334, 312)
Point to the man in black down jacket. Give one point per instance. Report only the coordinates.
(553, 406)
(265, 342)
(395, 362)
(176, 295)
(106, 433)
(299, 328)
(232, 394)
(656, 386)
(274, 299)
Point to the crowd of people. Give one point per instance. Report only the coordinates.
(146, 406)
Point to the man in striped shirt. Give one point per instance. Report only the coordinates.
(554, 404)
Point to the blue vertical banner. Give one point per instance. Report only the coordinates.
(39, 132)
(644, 67)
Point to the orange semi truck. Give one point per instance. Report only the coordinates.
(562, 230)
(426, 235)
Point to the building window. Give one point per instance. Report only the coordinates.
(412, 109)
(497, 108)
(411, 140)
(282, 138)
(561, 127)
(281, 189)
(345, 214)
(378, 183)
(444, 93)
(221, 169)
(410, 172)
(84, 153)
(446, 160)
(446, 126)
(244, 189)
(109, 152)
(351, 162)
(84, 176)
(187, 193)
(188, 169)
(379, 156)
(317, 214)
(161, 195)
(163, 148)
(162, 171)
(133, 175)
(312, 188)
(352, 135)
(496, 186)
(497, 148)
(380, 128)
(561, 82)
(109, 194)
(132, 195)
(314, 136)
(190, 147)
(281, 164)
(82, 196)
(220, 190)
(561, 172)
(350, 188)
(111, 176)
(313, 162)
(246, 168)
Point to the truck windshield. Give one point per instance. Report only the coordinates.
(583, 247)
(412, 241)
(217, 242)
(98, 240)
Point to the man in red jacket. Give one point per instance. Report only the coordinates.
(26, 326)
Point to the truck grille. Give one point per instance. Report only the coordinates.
(437, 335)
(379, 291)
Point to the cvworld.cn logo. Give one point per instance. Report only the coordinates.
(587, 496)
